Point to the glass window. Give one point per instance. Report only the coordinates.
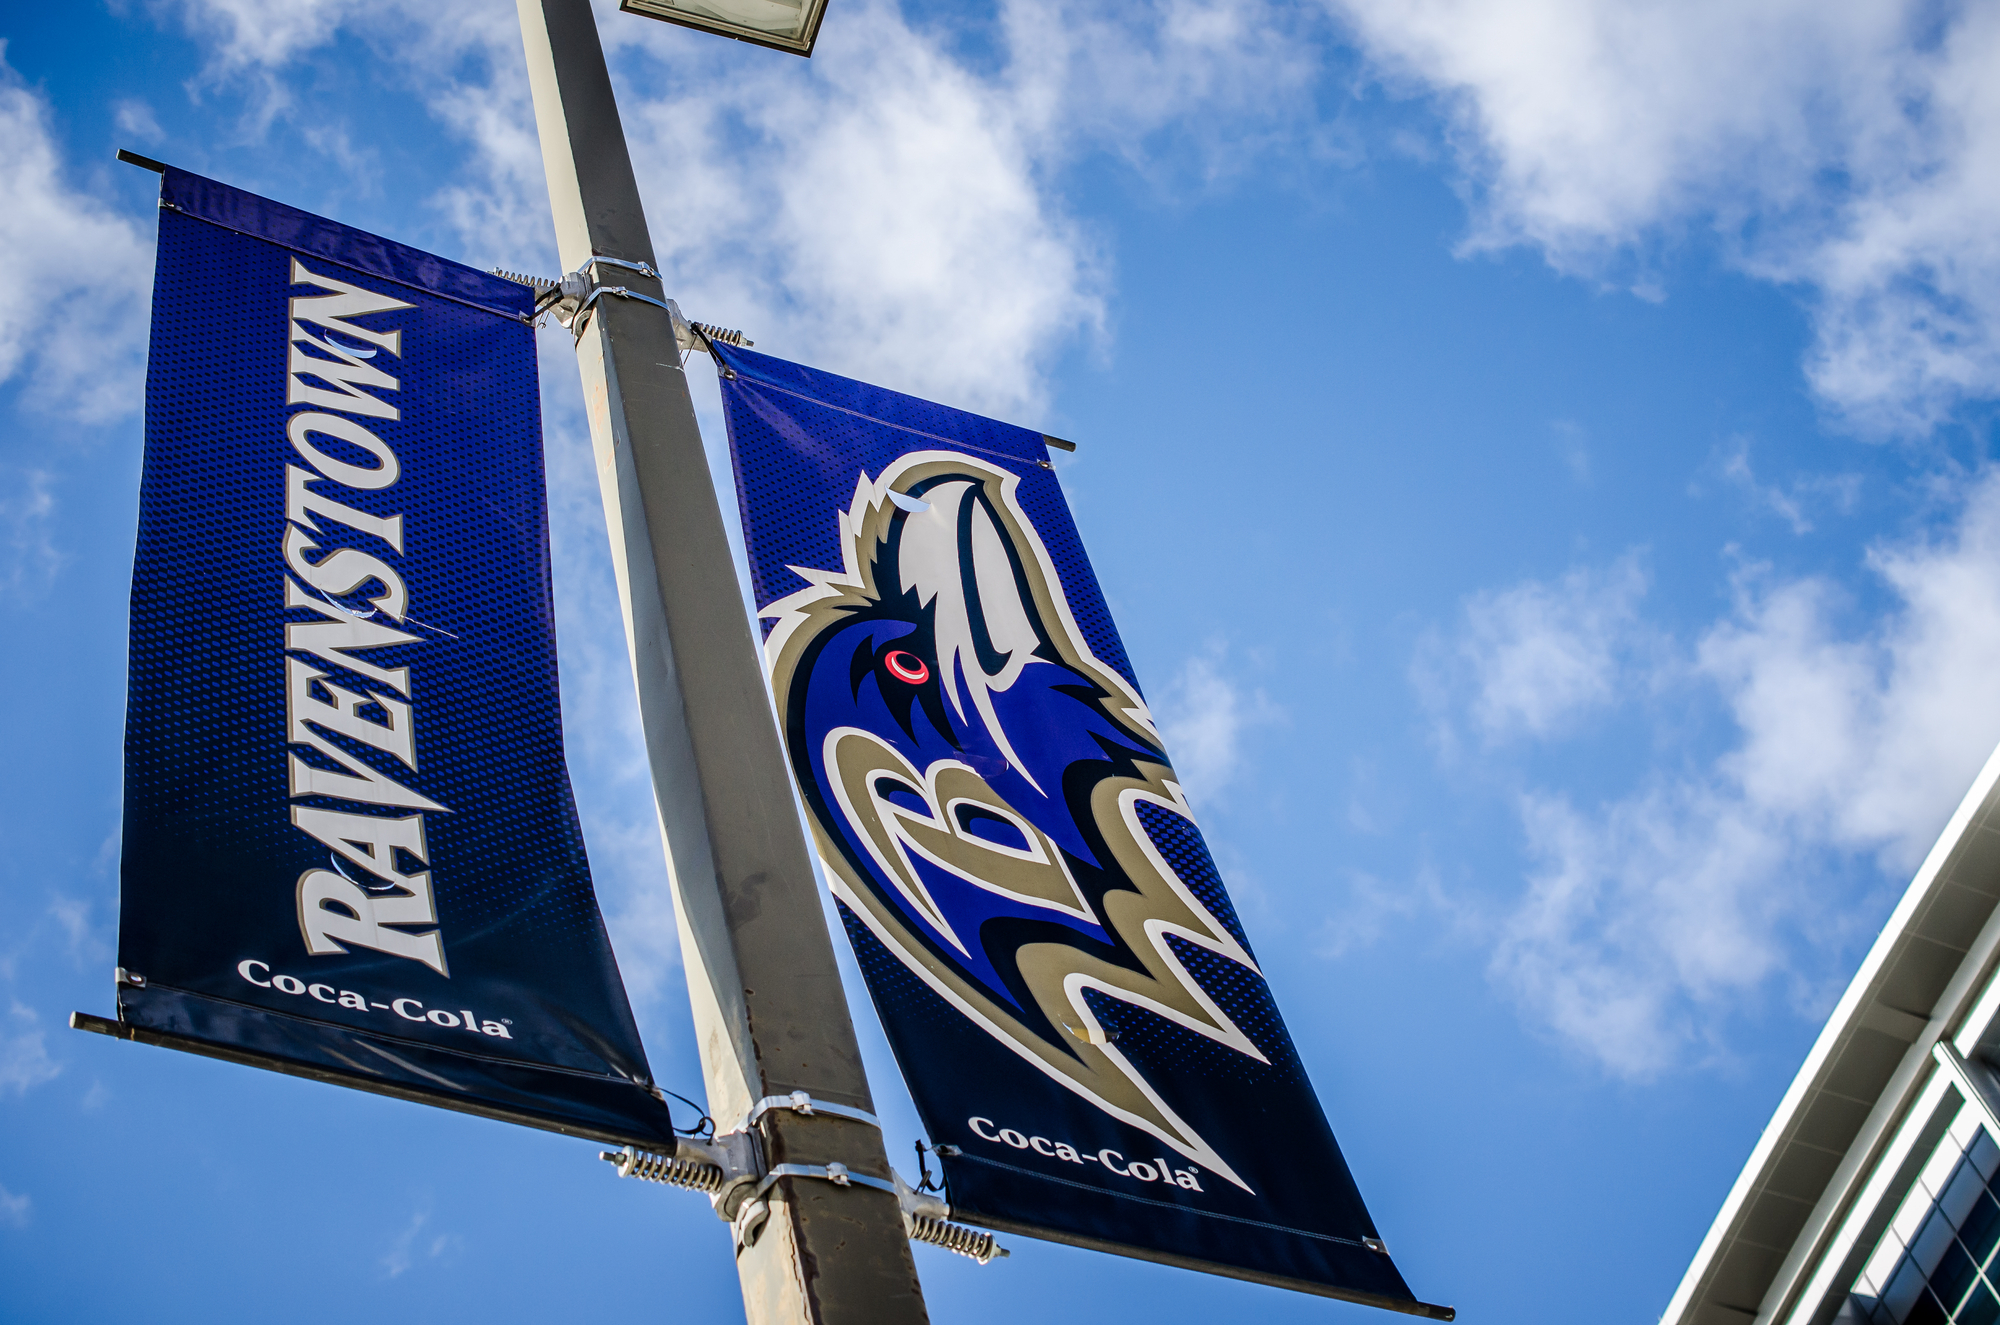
(1954, 1274)
(1984, 1154)
(1967, 1185)
(1981, 1229)
(1936, 1264)
(1934, 1239)
(1981, 1307)
(1927, 1312)
(1904, 1289)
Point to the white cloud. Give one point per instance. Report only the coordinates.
(27, 532)
(1846, 151)
(14, 1210)
(891, 209)
(1573, 445)
(135, 119)
(24, 1053)
(1368, 904)
(245, 34)
(1203, 714)
(1871, 740)
(1642, 915)
(905, 220)
(1223, 74)
(1539, 656)
(73, 275)
(605, 747)
(894, 227)
(1852, 150)
(414, 1244)
(86, 942)
(1648, 916)
(501, 207)
(1796, 504)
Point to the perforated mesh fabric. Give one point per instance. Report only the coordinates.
(1181, 845)
(986, 980)
(211, 856)
(799, 438)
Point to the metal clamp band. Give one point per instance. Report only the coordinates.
(622, 293)
(754, 1209)
(836, 1173)
(642, 268)
(800, 1102)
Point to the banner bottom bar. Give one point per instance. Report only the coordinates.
(121, 1030)
(1407, 1306)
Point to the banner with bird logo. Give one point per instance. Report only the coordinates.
(1073, 1001)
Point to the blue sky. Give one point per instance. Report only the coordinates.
(1537, 453)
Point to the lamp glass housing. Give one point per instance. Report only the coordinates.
(784, 25)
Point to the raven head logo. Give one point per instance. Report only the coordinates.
(987, 794)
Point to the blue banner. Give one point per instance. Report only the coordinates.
(350, 848)
(1068, 990)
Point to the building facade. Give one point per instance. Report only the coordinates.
(1873, 1196)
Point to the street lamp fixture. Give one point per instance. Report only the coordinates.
(783, 25)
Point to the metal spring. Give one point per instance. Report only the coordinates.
(532, 282)
(543, 285)
(674, 1172)
(723, 334)
(955, 1237)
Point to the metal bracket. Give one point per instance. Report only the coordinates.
(918, 1202)
(800, 1102)
(725, 1171)
(1974, 1081)
(709, 332)
(926, 1219)
(720, 1168)
(673, 1170)
(570, 299)
(953, 1237)
(729, 1168)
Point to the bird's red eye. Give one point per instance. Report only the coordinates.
(906, 667)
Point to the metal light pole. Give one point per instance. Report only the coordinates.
(769, 1011)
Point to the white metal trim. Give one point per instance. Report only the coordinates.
(1846, 1014)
